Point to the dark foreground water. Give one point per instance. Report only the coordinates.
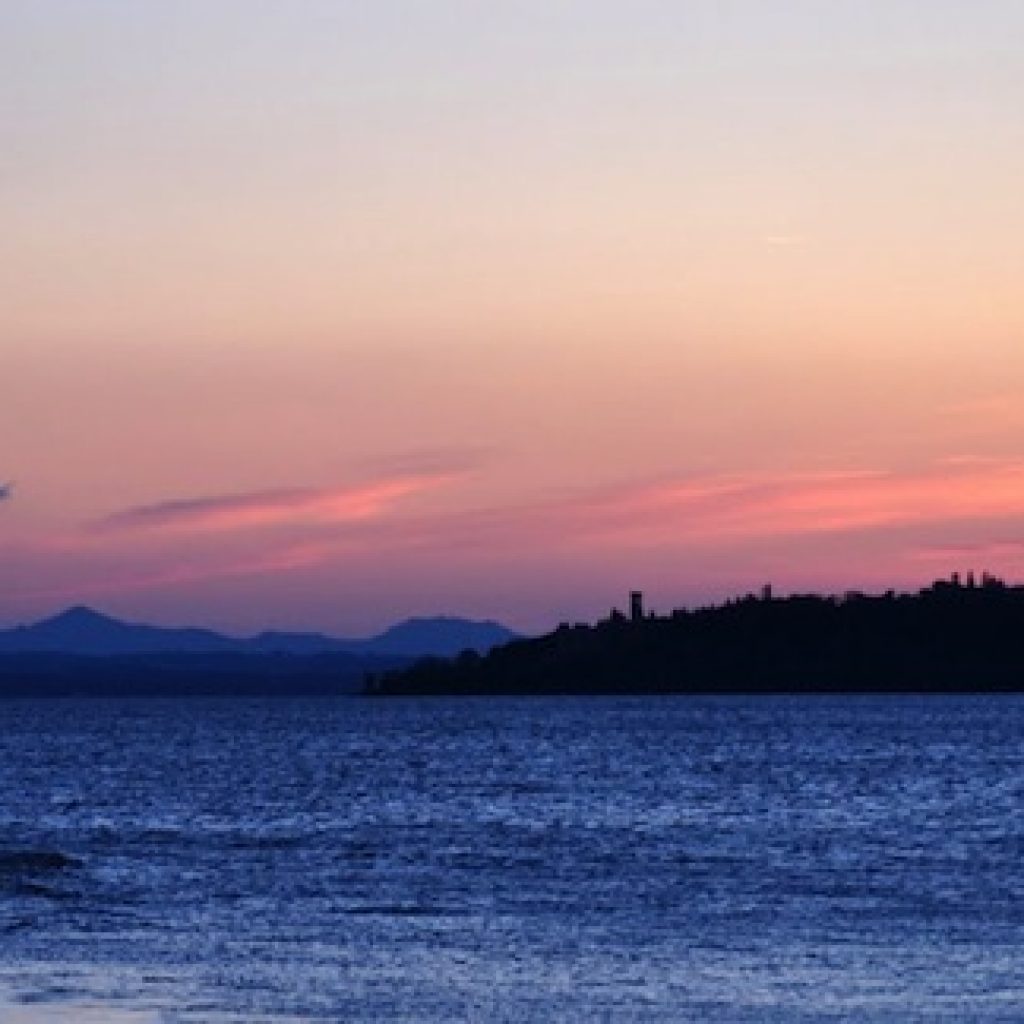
(674, 859)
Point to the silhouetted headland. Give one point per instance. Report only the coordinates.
(953, 636)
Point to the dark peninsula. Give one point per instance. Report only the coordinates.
(953, 636)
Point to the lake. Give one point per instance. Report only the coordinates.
(669, 859)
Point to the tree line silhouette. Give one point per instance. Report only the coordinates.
(952, 636)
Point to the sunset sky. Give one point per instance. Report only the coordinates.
(320, 314)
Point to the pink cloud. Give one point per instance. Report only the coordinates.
(717, 510)
(829, 528)
(723, 508)
(307, 506)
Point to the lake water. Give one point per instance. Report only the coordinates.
(670, 859)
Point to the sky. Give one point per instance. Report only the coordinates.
(322, 314)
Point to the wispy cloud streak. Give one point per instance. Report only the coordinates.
(723, 508)
(716, 509)
(851, 524)
(309, 506)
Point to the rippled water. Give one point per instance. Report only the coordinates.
(673, 859)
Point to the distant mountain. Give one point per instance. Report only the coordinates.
(82, 630)
(274, 642)
(441, 637)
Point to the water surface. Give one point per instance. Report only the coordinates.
(667, 859)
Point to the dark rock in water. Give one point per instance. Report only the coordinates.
(30, 862)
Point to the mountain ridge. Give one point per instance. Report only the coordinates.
(84, 630)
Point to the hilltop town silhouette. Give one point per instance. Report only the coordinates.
(956, 635)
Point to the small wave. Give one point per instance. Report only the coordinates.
(48, 892)
(266, 842)
(359, 852)
(401, 910)
(17, 925)
(164, 836)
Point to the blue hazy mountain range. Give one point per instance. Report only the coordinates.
(82, 630)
